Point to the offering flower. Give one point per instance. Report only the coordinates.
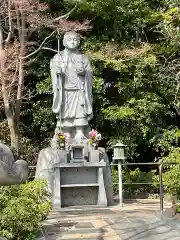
(95, 137)
(61, 139)
(93, 133)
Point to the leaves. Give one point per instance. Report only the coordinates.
(133, 47)
(22, 209)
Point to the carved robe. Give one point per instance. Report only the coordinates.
(72, 102)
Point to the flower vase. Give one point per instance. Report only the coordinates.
(95, 146)
(94, 153)
(62, 146)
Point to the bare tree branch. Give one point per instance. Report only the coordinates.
(50, 49)
(67, 14)
(10, 22)
(40, 47)
(1, 43)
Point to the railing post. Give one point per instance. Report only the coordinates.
(161, 188)
(120, 183)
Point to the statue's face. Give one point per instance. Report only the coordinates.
(71, 41)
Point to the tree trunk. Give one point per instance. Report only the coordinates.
(8, 110)
(14, 133)
(9, 114)
(20, 89)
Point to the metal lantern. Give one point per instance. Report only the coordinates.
(119, 151)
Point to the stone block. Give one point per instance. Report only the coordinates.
(61, 157)
(79, 196)
(76, 180)
(94, 155)
(78, 175)
(77, 153)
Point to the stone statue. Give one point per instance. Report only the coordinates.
(11, 171)
(78, 162)
(71, 75)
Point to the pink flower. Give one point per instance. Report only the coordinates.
(93, 133)
(90, 134)
(95, 137)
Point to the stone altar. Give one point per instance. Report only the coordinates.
(11, 171)
(77, 174)
(76, 183)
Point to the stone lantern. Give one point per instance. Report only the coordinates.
(119, 156)
(119, 151)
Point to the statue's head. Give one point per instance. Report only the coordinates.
(71, 40)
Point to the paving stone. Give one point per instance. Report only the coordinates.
(151, 220)
(97, 238)
(86, 211)
(110, 224)
(177, 229)
(84, 225)
(80, 236)
(131, 233)
(119, 222)
(86, 231)
(60, 224)
(136, 236)
(170, 235)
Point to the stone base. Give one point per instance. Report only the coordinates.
(77, 196)
(79, 183)
(71, 183)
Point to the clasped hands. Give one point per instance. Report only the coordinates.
(79, 71)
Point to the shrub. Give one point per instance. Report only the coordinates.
(171, 174)
(135, 176)
(22, 209)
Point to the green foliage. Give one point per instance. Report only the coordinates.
(171, 173)
(171, 176)
(134, 50)
(138, 64)
(166, 141)
(22, 209)
(135, 176)
(178, 208)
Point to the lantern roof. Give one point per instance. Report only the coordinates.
(119, 145)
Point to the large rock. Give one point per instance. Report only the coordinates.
(45, 166)
(11, 171)
(108, 182)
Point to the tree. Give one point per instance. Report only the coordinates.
(19, 19)
(136, 68)
(136, 72)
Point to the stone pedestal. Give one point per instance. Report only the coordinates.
(78, 181)
(79, 184)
